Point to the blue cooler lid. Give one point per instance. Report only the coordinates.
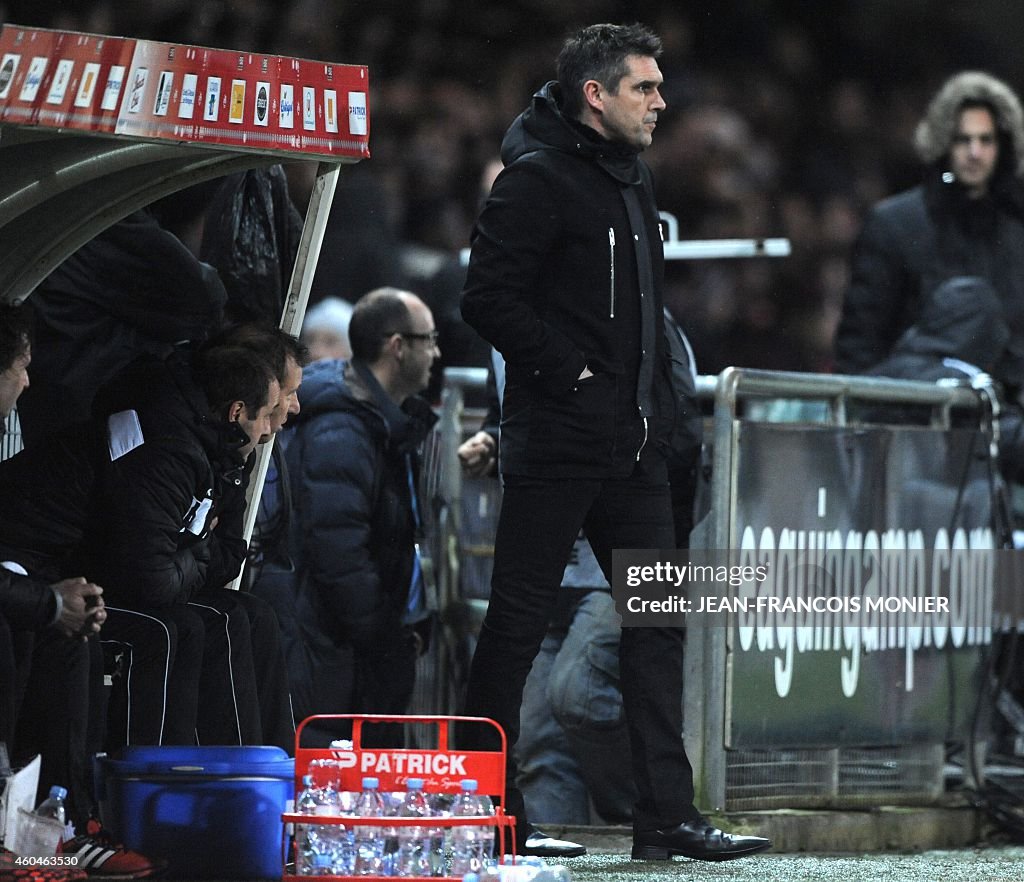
(257, 761)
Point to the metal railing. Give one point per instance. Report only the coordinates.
(464, 518)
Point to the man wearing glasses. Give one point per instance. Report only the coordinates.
(353, 464)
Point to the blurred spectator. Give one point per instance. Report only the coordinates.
(361, 249)
(817, 108)
(965, 220)
(325, 329)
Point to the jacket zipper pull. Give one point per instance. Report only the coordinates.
(643, 443)
(611, 265)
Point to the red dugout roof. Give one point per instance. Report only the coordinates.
(183, 94)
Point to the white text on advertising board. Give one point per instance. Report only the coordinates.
(881, 572)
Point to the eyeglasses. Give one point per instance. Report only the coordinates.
(430, 336)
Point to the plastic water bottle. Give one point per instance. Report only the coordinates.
(53, 805)
(307, 836)
(440, 807)
(467, 843)
(532, 871)
(336, 838)
(369, 839)
(320, 849)
(486, 834)
(415, 844)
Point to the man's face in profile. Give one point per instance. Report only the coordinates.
(14, 381)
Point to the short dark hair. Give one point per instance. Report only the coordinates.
(229, 373)
(15, 333)
(376, 315)
(599, 52)
(275, 345)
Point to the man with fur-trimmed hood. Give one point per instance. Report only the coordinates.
(965, 220)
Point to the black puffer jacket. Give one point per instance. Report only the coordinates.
(566, 272)
(919, 239)
(122, 501)
(27, 604)
(352, 516)
(352, 537)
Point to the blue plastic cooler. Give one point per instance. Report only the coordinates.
(211, 812)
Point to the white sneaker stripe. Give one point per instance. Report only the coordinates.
(93, 855)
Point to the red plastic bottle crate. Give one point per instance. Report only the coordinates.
(442, 770)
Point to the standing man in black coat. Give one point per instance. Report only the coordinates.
(965, 220)
(565, 281)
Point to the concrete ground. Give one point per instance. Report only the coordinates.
(949, 843)
(961, 865)
(952, 843)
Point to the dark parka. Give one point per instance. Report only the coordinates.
(353, 534)
(27, 604)
(566, 273)
(915, 241)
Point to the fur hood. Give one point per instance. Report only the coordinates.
(934, 136)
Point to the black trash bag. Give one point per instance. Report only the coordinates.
(251, 236)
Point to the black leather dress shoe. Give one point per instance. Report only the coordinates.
(538, 844)
(695, 839)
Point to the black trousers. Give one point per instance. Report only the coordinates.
(207, 672)
(61, 717)
(9, 685)
(539, 521)
(243, 687)
(159, 657)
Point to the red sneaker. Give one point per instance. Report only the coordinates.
(99, 855)
(21, 869)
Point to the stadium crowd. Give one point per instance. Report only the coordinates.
(778, 124)
(784, 119)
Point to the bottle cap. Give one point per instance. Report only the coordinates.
(468, 784)
(58, 792)
(371, 783)
(414, 783)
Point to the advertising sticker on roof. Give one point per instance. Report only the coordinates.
(212, 103)
(261, 117)
(7, 68)
(187, 101)
(112, 90)
(33, 79)
(287, 106)
(163, 93)
(49, 78)
(87, 86)
(59, 85)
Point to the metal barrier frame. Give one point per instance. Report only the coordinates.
(707, 650)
